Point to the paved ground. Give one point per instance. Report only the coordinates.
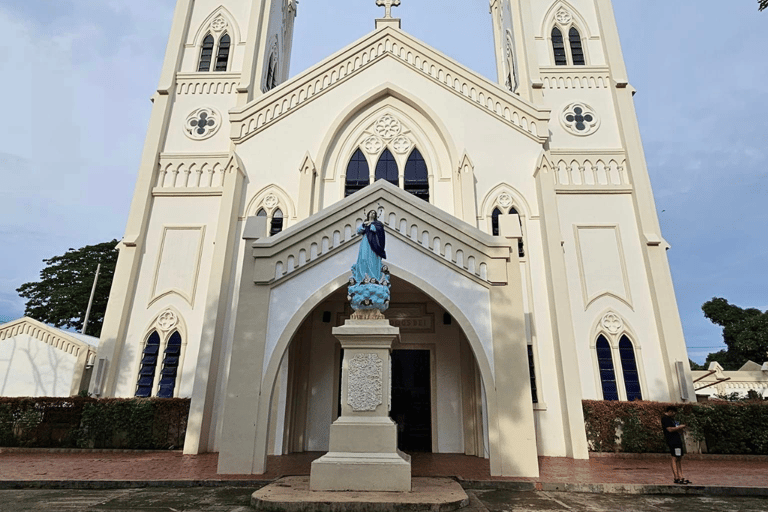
(236, 499)
(46, 465)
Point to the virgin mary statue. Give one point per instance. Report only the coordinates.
(369, 284)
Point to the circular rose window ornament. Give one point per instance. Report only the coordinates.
(580, 119)
(202, 123)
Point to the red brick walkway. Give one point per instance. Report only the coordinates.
(41, 465)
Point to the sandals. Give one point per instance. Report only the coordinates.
(682, 481)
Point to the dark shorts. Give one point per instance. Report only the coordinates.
(673, 451)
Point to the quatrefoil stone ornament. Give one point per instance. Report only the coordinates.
(580, 119)
(202, 123)
(270, 201)
(505, 200)
(167, 320)
(388, 127)
(612, 323)
(373, 144)
(563, 17)
(401, 144)
(219, 23)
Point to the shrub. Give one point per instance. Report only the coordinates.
(137, 423)
(635, 427)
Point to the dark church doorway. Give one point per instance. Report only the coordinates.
(411, 399)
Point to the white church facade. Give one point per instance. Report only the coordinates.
(528, 267)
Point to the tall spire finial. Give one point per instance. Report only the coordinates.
(387, 4)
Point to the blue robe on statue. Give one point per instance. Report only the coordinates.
(371, 252)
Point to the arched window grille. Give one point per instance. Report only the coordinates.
(577, 52)
(532, 372)
(358, 174)
(170, 366)
(386, 169)
(148, 366)
(222, 56)
(558, 46)
(495, 221)
(206, 54)
(271, 73)
(416, 179)
(629, 367)
(276, 225)
(605, 365)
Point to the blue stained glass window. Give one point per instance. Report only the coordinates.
(358, 174)
(386, 169)
(148, 366)
(629, 366)
(416, 179)
(607, 374)
(170, 366)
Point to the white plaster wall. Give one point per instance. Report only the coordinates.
(320, 393)
(637, 312)
(169, 211)
(601, 100)
(30, 367)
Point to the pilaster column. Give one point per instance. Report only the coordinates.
(569, 380)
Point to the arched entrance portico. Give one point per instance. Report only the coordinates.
(463, 272)
(437, 397)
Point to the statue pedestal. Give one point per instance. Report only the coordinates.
(363, 452)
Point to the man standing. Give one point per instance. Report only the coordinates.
(674, 440)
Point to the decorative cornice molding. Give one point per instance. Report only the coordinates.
(381, 44)
(49, 335)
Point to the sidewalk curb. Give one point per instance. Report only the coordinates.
(692, 490)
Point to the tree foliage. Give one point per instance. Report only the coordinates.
(60, 297)
(745, 333)
(763, 4)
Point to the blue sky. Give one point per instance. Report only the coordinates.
(79, 73)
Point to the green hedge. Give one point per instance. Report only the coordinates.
(635, 427)
(79, 422)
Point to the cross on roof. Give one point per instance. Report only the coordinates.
(387, 4)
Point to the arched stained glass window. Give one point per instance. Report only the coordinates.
(277, 222)
(170, 366)
(386, 169)
(495, 221)
(148, 366)
(416, 178)
(629, 367)
(607, 374)
(577, 52)
(558, 46)
(206, 54)
(358, 174)
(222, 56)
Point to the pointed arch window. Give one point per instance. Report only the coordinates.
(577, 51)
(358, 174)
(276, 225)
(495, 221)
(170, 366)
(495, 226)
(558, 46)
(386, 169)
(148, 366)
(416, 180)
(206, 53)
(629, 368)
(532, 372)
(261, 213)
(222, 56)
(605, 366)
